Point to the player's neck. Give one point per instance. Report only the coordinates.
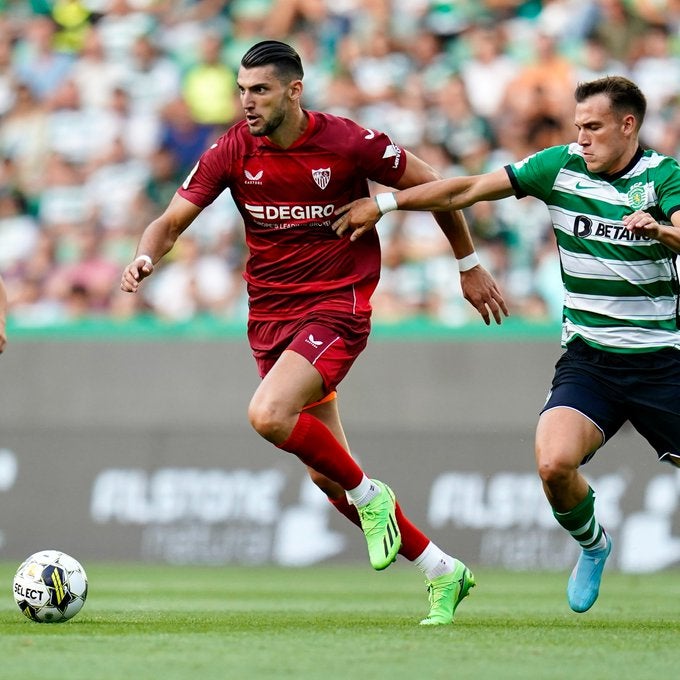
(290, 131)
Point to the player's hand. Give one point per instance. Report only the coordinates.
(642, 223)
(134, 273)
(357, 217)
(481, 291)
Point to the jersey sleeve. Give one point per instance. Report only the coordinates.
(376, 156)
(668, 190)
(535, 175)
(210, 176)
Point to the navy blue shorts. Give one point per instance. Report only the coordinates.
(611, 388)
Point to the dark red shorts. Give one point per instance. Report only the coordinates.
(331, 342)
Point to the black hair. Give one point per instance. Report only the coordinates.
(624, 95)
(278, 54)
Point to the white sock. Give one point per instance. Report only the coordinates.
(434, 562)
(362, 494)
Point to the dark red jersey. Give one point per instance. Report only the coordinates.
(287, 198)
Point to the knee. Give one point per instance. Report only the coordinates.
(554, 470)
(269, 420)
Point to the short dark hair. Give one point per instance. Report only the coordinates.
(278, 54)
(625, 96)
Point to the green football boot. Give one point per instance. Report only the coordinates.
(379, 524)
(446, 593)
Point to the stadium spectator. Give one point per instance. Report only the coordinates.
(657, 69)
(195, 283)
(595, 61)
(209, 86)
(151, 79)
(64, 205)
(23, 140)
(39, 65)
(120, 26)
(540, 85)
(18, 230)
(115, 187)
(96, 76)
(8, 75)
(309, 293)
(73, 132)
(72, 19)
(86, 282)
(488, 70)
(182, 135)
(619, 27)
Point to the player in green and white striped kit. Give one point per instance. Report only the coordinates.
(615, 209)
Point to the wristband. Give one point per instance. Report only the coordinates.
(386, 202)
(146, 258)
(468, 262)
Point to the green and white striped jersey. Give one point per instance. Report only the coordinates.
(620, 290)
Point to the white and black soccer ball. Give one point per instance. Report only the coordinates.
(50, 587)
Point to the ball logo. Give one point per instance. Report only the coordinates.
(27, 593)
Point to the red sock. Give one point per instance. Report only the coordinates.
(413, 540)
(314, 444)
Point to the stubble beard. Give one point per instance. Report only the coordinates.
(271, 125)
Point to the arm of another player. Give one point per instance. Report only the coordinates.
(453, 193)
(641, 222)
(3, 315)
(478, 286)
(157, 240)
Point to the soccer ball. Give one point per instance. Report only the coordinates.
(50, 587)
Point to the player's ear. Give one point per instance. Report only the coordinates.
(629, 124)
(295, 90)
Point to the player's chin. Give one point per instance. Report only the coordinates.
(256, 129)
(593, 165)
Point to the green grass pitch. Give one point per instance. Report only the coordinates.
(334, 622)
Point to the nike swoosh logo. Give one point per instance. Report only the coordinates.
(586, 186)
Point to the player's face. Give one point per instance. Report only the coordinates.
(265, 99)
(609, 140)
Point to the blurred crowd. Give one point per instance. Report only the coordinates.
(105, 106)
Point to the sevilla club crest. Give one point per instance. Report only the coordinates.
(322, 177)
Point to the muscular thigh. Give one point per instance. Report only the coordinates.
(581, 395)
(565, 437)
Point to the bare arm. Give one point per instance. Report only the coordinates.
(453, 193)
(3, 315)
(157, 240)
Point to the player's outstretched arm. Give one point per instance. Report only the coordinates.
(157, 240)
(453, 193)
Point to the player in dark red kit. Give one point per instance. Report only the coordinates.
(309, 291)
